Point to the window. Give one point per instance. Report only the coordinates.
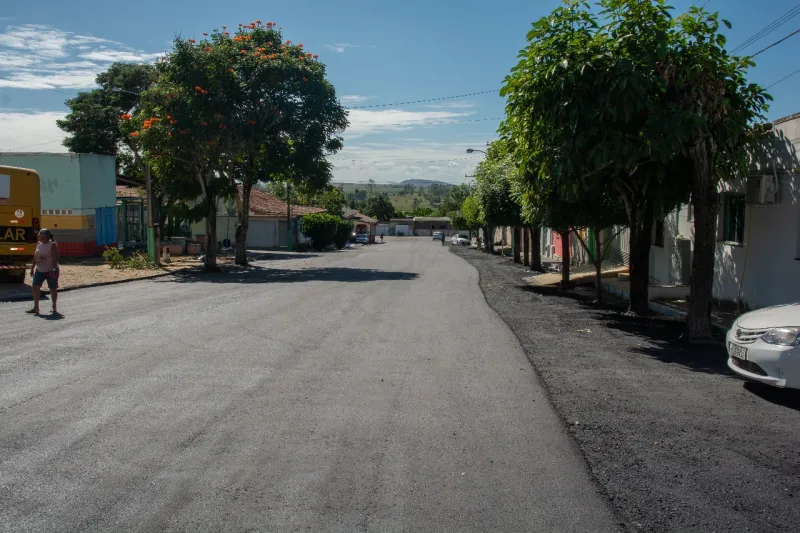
(658, 238)
(5, 186)
(733, 218)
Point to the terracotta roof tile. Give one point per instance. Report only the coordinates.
(124, 191)
(267, 205)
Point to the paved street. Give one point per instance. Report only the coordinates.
(364, 390)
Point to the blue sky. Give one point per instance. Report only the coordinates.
(376, 53)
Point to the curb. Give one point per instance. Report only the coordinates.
(27, 296)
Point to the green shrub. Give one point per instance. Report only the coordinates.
(114, 257)
(344, 229)
(137, 261)
(302, 247)
(324, 229)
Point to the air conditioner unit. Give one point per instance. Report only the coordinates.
(762, 190)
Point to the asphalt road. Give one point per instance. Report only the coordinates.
(365, 390)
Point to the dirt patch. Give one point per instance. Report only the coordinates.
(674, 438)
(75, 274)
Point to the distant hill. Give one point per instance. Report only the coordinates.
(424, 183)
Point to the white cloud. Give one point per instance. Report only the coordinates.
(30, 131)
(363, 121)
(354, 98)
(340, 47)
(37, 56)
(393, 163)
(452, 105)
(120, 55)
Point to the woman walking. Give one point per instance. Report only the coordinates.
(45, 267)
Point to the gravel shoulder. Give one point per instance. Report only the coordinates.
(676, 440)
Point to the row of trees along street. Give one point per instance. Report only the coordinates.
(230, 111)
(616, 114)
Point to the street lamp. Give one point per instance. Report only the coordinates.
(471, 150)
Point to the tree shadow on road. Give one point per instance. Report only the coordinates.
(274, 255)
(258, 274)
(662, 342)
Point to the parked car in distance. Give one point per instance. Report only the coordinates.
(461, 240)
(437, 235)
(362, 238)
(764, 346)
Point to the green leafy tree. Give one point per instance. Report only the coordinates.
(379, 206)
(324, 230)
(722, 115)
(493, 191)
(93, 123)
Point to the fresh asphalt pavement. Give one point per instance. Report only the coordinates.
(364, 390)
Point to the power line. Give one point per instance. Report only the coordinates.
(378, 159)
(38, 86)
(425, 100)
(437, 99)
(795, 32)
(769, 28)
(784, 79)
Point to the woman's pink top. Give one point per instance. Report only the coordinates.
(43, 257)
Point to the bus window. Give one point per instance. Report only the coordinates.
(5, 186)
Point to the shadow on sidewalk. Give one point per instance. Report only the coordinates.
(662, 335)
(257, 274)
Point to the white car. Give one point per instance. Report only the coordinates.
(764, 346)
(460, 240)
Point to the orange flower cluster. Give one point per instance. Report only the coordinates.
(227, 33)
(192, 41)
(208, 49)
(183, 132)
(204, 123)
(125, 116)
(230, 70)
(273, 56)
(251, 122)
(288, 42)
(240, 38)
(199, 89)
(205, 34)
(269, 43)
(316, 56)
(172, 120)
(135, 134)
(309, 56)
(149, 122)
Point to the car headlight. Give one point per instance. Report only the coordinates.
(782, 336)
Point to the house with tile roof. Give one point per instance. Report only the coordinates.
(270, 220)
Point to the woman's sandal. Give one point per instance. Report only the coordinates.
(32, 311)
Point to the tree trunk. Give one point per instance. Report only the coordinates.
(242, 224)
(211, 233)
(565, 256)
(705, 201)
(598, 264)
(515, 242)
(488, 241)
(640, 227)
(526, 246)
(536, 248)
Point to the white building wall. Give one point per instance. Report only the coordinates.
(766, 266)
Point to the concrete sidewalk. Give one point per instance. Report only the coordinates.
(580, 273)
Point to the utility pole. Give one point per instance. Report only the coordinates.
(289, 215)
(152, 234)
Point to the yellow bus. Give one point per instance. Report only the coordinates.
(20, 212)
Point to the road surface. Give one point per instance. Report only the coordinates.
(363, 390)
